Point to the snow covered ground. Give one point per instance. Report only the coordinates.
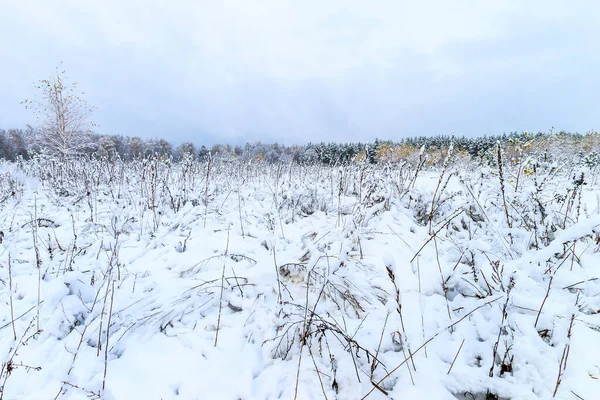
(232, 280)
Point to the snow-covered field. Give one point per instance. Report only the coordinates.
(236, 280)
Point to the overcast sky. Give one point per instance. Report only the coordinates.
(296, 71)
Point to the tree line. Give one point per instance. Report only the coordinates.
(65, 129)
(25, 143)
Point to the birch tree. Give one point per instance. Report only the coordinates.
(63, 124)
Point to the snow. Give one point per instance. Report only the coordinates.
(279, 287)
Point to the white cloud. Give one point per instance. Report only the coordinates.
(322, 70)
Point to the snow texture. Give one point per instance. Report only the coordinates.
(161, 280)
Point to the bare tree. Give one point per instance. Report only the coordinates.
(62, 115)
(185, 149)
(136, 147)
(107, 145)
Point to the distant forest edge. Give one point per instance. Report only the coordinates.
(23, 144)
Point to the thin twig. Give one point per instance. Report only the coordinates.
(112, 297)
(10, 289)
(543, 302)
(455, 357)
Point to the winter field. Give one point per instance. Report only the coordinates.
(224, 279)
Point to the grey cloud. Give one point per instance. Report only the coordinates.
(280, 71)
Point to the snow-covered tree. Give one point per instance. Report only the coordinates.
(62, 116)
(186, 149)
(107, 145)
